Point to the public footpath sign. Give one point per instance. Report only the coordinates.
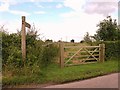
(23, 36)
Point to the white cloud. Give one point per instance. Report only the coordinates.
(21, 13)
(40, 6)
(73, 27)
(50, 0)
(22, 1)
(4, 7)
(40, 12)
(101, 7)
(59, 6)
(77, 22)
(104, 7)
(43, 0)
(102, 0)
(13, 2)
(70, 14)
(74, 4)
(11, 27)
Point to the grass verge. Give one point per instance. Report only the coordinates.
(54, 74)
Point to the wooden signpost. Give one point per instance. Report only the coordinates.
(23, 35)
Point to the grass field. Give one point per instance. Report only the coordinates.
(54, 74)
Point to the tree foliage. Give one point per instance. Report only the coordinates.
(108, 30)
(87, 38)
(72, 40)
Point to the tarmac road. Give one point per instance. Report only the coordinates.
(107, 81)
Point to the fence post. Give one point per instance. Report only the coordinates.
(101, 52)
(61, 55)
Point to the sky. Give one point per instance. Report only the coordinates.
(57, 19)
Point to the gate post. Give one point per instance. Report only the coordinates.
(101, 52)
(61, 55)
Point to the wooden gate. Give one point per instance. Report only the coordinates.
(75, 55)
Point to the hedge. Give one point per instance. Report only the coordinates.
(112, 49)
(36, 52)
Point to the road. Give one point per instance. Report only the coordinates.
(107, 81)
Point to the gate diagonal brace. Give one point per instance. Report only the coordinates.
(74, 55)
(91, 53)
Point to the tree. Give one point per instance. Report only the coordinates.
(118, 34)
(72, 41)
(87, 38)
(108, 30)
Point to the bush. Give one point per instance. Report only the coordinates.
(37, 56)
(48, 54)
(72, 41)
(112, 49)
(36, 53)
(14, 57)
(11, 49)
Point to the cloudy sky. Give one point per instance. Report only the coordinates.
(57, 19)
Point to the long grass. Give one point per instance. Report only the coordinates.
(54, 74)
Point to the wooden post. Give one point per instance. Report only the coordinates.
(23, 35)
(61, 55)
(101, 52)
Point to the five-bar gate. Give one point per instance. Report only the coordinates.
(75, 55)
